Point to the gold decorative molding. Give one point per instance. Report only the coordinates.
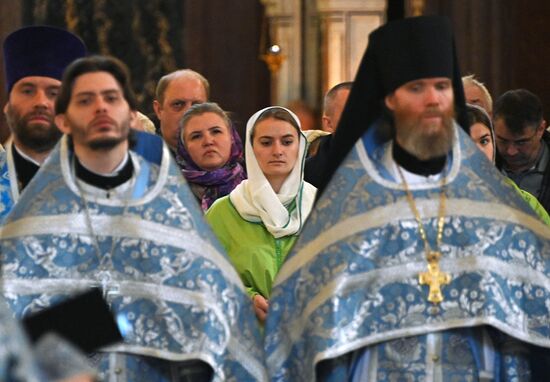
(103, 27)
(274, 58)
(351, 5)
(278, 7)
(71, 17)
(416, 7)
(346, 25)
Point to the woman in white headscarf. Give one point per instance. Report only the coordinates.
(259, 221)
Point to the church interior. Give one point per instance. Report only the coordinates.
(257, 53)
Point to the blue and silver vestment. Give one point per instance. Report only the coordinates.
(9, 190)
(350, 286)
(169, 283)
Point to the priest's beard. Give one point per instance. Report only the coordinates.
(35, 136)
(107, 143)
(80, 134)
(425, 139)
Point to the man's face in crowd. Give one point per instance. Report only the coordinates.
(519, 151)
(98, 116)
(30, 113)
(475, 96)
(423, 111)
(331, 119)
(180, 94)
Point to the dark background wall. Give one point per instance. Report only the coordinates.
(145, 34)
(222, 41)
(217, 38)
(10, 19)
(504, 42)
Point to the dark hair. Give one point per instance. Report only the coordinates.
(476, 114)
(132, 139)
(520, 109)
(278, 113)
(91, 64)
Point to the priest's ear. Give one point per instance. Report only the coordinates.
(61, 123)
(134, 120)
(541, 129)
(389, 101)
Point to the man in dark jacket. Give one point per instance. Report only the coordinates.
(523, 142)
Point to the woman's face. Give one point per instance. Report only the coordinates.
(276, 145)
(481, 135)
(208, 141)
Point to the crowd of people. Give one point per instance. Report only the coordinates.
(406, 239)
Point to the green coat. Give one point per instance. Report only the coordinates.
(253, 250)
(532, 201)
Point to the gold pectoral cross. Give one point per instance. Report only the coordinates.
(434, 278)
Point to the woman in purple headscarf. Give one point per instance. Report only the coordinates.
(209, 153)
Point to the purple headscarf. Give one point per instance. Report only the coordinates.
(216, 183)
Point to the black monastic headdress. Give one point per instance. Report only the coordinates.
(398, 52)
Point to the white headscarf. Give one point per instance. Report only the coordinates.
(255, 199)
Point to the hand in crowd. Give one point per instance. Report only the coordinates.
(80, 378)
(260, 307)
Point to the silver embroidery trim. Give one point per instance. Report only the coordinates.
(172, 294)
(129, 288)
(387, 214)
(12, 173)
(279, 355)
(434, 372)
(373, 364)
(121, 227)
(147, 197)
(296, 327)
(140, 289)
(488, 357)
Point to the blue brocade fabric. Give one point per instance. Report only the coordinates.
(16, 360)
(350, 286)
(6, 199)
(162, 270)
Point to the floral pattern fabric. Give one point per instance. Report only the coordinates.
(162, 271)
(350, 285)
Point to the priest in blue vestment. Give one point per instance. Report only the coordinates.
(419, 262)
(99, 214)
(34, 60)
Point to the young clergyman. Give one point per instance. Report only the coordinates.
(100, 214)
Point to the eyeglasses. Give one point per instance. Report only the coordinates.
(516, 143)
